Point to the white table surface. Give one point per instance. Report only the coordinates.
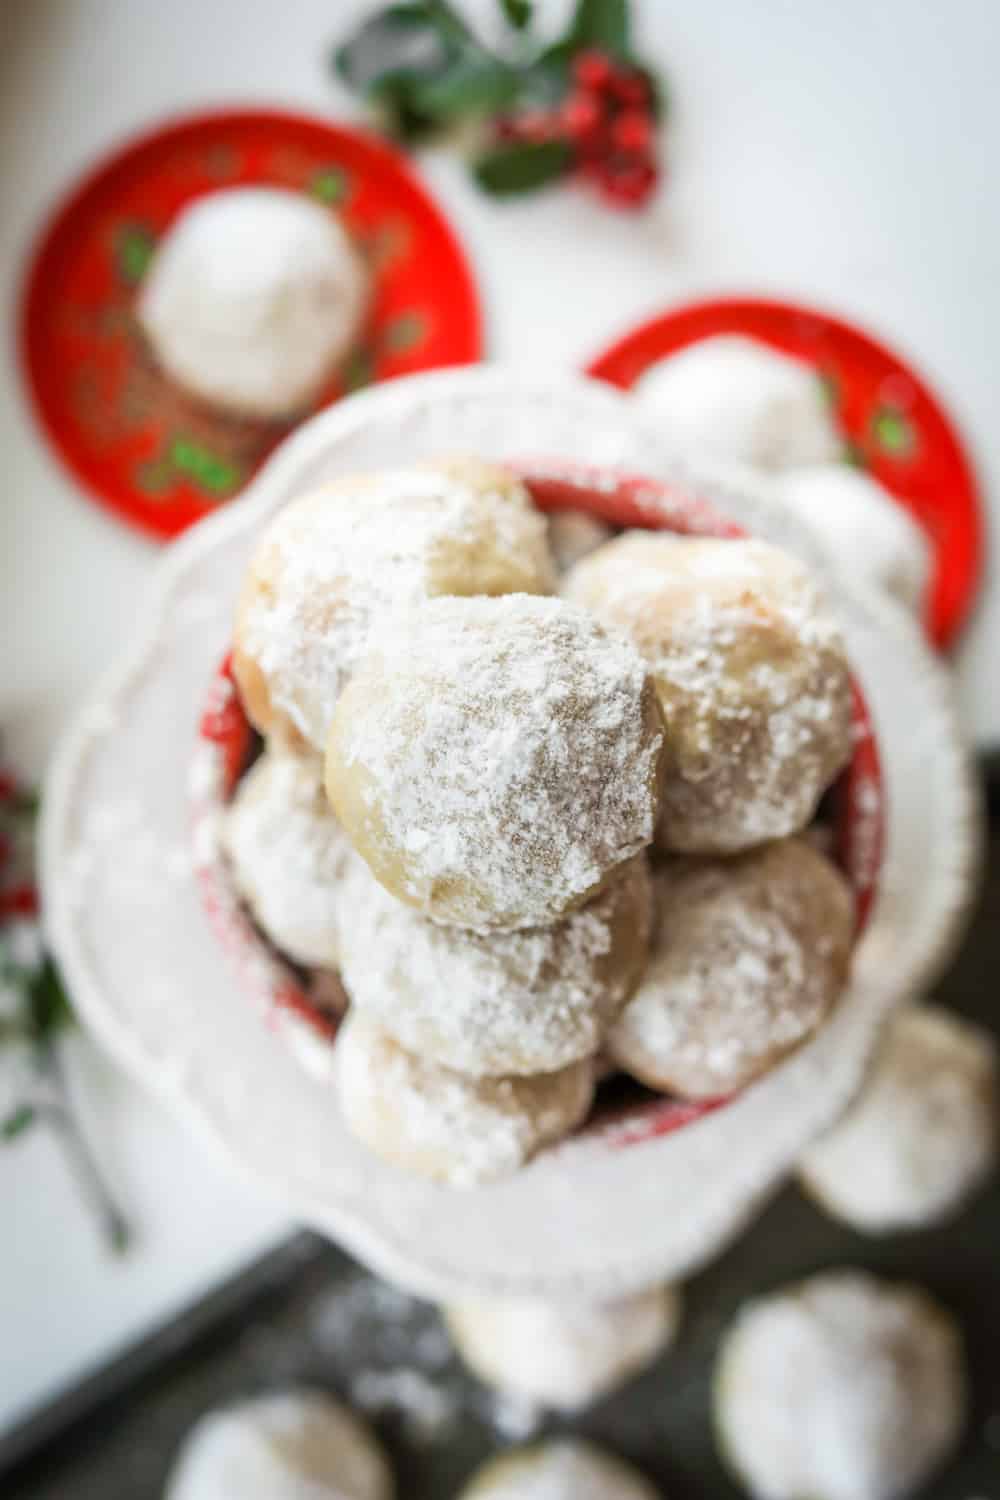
(841, 154)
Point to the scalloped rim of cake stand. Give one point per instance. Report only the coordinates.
(119, 895)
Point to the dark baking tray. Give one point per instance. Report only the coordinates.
(306, 1312)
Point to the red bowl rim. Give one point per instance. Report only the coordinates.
(225, 739)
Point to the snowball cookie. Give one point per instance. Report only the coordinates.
(574, 534)
(333, 566)
(866, 533)
(560, 1469)
(497, 760)
(736, 398)
(288, 855)
(502, 1002)
(750, 955)
(841, 1387)
(253, 297)
(922, 1133)
(565, 1354)
(293, 1445)
(750, 672)
(446, 1125)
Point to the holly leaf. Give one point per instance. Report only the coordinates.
(519, 13)
(48, 1004)
(476, 84)
(600, 23)
(448, 21)
(422, 66)
(17, 1122)
(659, 94)
(522, 166)
(544, 81)
(26, 802)
(401, 42)
(415, 38)
(392, 96)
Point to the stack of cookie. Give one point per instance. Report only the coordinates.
(538, 833)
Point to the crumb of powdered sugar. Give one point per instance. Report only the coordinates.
(426, 1408)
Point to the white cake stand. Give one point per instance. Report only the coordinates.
(150, 978)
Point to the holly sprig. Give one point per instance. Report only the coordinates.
(538, 112)
(35, 1011)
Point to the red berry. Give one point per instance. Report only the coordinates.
(632, 131)
(593, 70)
(8, 786)
(629, 89)
(593, 168)
(19, 901)
(601, 172)
(6, 849)
(628, 185)
(582, 117)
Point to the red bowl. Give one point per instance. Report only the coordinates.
(226, 743)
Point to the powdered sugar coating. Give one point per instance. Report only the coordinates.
(561, 1469)
(751, 674)
(840, 1387)
(738, 398)
(863, 528)
(289, 1445)
(443, 1124)
(252, 298)
(922, 1134)
(565, 1354)
(519, 1002)
(496, 760)
(288, 855)
(333, 566)
(750, 955)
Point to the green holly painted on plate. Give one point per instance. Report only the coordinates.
(830, 386)
(210, 472)
(190, 460)
(894, 432)
(134, 247)
(404, 333)
(330, 185)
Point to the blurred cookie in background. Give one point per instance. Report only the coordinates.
(288, 1445)
(920, 1137)
(565, 1469)
(562, 1354)
(839, 1387)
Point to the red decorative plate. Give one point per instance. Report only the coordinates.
(892, 422)
(140, 447)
